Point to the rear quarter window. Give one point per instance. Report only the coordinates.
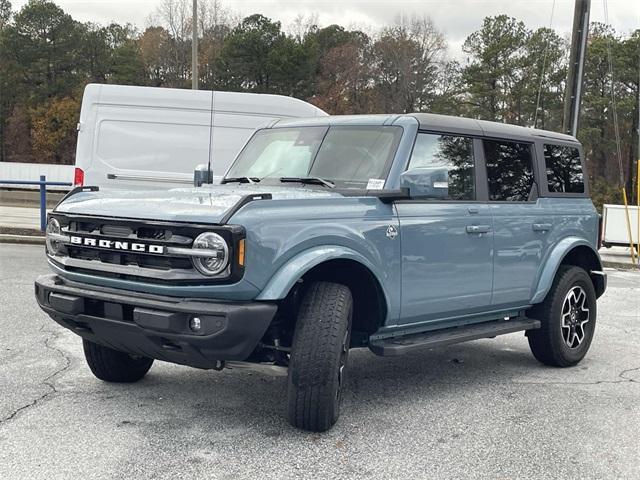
(564, 169)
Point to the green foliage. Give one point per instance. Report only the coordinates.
(604, 192)
(153, 45)
(258, 57)
(53, 129)
(406, 64)
(5, 13)
(513, 74)
(43, 41)
(597, 123)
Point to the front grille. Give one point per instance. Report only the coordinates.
(132, 232)
(139, 266)
(117, 258)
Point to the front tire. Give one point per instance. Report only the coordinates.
(114, 366)
(319, 356)
(568, 317)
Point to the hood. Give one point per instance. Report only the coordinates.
(207, 204)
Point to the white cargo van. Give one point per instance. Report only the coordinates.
(155, 137)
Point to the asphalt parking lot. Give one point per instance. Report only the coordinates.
(484, 409)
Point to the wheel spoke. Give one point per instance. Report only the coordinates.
(566, 306)
(579, 334)
(574, 316)
(581, 298)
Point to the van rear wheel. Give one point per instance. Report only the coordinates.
(568, 319)
(319, 356)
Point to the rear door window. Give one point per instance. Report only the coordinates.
(564, 169)
(509, 170)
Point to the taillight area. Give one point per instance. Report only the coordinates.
(78, 177)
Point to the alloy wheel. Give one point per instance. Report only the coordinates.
(575, 317)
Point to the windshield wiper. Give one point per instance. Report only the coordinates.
(241, 180)
(308, 180)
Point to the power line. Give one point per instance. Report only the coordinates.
(544, 66)
(614, 108)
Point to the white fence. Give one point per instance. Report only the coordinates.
(32, 172)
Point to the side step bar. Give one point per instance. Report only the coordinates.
(449, 336)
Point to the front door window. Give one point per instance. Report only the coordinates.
(453, 155)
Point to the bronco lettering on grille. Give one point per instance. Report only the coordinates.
(117, 245)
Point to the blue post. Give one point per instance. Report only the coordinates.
(43, 202)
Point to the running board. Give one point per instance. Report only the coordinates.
(438, 338)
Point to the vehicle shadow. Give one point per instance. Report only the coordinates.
(240, 399)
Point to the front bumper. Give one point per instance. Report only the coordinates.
(156, 326)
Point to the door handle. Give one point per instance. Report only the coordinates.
(478, 228)
(541, 227)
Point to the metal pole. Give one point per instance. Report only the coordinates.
(573, 94)
(638, 208)
(194, 47)
(43, 202)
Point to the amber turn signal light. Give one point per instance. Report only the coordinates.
(241, 253)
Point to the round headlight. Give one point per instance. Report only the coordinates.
(53, 228)
(217, 255)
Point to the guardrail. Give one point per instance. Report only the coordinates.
(43, 194)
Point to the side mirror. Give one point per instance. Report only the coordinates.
(426, 182)
(202, 174)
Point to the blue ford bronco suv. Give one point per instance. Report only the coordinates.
(391, 232)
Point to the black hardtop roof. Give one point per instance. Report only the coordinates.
(471, 126)
(436, 123)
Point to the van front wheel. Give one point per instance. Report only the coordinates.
(319, 356)
(568, 319)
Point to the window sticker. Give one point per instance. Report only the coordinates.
(375, 184)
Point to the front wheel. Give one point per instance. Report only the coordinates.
(319, 356)
(114, 366)
(568, 318)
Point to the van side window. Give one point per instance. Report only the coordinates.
(509, 170)
(564, 169)
(453, 156)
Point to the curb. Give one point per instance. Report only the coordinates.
(22, 239)
(619, 265)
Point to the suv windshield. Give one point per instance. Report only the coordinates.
(347, 156)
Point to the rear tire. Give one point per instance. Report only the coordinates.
(568, 317)
(319, 356)
(114, 366)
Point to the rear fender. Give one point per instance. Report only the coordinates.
(553, 262)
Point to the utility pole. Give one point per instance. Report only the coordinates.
(573, 94)
(194, 46)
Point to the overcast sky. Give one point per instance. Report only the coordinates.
(456, 18)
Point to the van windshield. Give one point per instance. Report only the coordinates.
(346, 156)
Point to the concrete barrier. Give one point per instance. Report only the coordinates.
(32, 172)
